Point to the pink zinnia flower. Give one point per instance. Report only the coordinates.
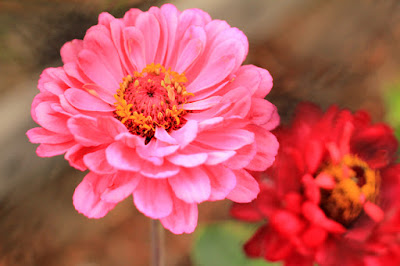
(157, 105)
(332, 195)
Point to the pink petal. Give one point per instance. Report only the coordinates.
(103, 94)
(203, 104)
(131, 15)
(258, 79)
(50, 150)
(186, 134)
(123, 157)
(135, 47)
(70, 50)
(117, 27)
(162, 134)
(106, 18)
(264, 113)
(183, 218)
(110, 126)
(170, 14)
(232, 139)
(41, 135)
(222, 181)
(220, 64)
(40, 99)
(267, 149)
(75, 156)
(85, 101)
(97, 162)
(87, 199)
(192, 45)
(153, 198)
(130, 140)
(242, 157)
(213, 157)
(150, 28)
(86, 131)
(191, 185)
(236, 103)
(156, 149)
(122, 185)
(246, 188)
(98, 40)
(166, 169)
(210, 123)
(97, 71)
(51, 120)
(73, 71)
(188, 160)
(217, 157)
(163, 41)
(265, 84)
(239, 38)
(57, 77)
(52, 87)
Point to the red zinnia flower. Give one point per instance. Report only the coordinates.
(157, 105)
(332, 195)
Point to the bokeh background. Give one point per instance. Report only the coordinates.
(325, 51)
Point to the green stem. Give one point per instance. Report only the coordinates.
(157, 243)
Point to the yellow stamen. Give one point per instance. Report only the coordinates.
(354, 181)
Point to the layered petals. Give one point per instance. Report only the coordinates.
(331, 196)
(157, 105)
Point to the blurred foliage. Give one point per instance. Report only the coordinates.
(392, 101)
(222, 245)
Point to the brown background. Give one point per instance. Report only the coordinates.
(343, 52)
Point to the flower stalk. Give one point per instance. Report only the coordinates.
(157, 243)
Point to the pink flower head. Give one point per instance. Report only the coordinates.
(332, 195)
(157, 105)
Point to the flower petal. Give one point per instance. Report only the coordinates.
(50, 150)
(97, 162)
(188, 160)
(153, 198)
(150, 28)
(267, 148)
(186, 134)
(183, 218)
(222, 181)
(230, 140)
(191, 185)
(87, 199)
(41, 135)
(122, 185)
(246, 188)
(85, 101)
(122, 157)
(86, 131)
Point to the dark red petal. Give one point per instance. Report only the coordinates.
(254, 247)
(246, 212)
(376, 145)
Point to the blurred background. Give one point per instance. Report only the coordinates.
(328, 52)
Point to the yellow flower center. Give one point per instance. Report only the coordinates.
(152, 98)
(355, 184)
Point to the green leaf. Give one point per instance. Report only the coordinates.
(222, 245)
(392, 102)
